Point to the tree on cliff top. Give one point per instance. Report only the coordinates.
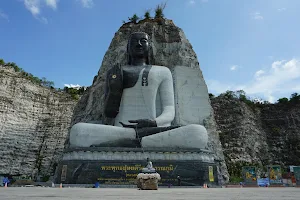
(295, 97)
(159, 10)
(2, 62)
(134, 18)
(283, 100)
(147, 14)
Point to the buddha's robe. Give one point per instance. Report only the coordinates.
(154, 101)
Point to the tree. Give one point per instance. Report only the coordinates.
(12, 64)
(66, 89)
(241, 94)
(295, 97)
(81, 90)
(211, 96)
(2, 62)
(147, 14)
(134, 18)
(283, 100)
(159, 10)
(17, 69)
(230, 94)
(43, 80)
(51, 83)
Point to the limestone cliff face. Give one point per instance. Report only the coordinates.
(34, 123)
(170, 49)
(261, 135)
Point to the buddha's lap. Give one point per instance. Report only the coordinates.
(186, 136)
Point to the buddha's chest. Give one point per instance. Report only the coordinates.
(140, 76)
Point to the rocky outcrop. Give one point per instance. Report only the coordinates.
(170, 48)
(34, 123)
(258, 134)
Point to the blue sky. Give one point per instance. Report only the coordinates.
(252, 45)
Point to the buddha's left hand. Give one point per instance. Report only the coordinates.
(140, 123)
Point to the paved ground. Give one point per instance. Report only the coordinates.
(163, 193)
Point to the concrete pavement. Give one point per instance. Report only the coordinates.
(34, 193)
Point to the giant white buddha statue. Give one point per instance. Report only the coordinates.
(140, 97)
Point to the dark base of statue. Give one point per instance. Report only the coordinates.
(120, 166)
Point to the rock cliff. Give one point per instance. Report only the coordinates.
(34, 122)
(170, 48)
(257, 134)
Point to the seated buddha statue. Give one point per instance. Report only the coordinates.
(149, 168)
(140, 98)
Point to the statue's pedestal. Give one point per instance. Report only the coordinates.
(120, 166)
(148, 181)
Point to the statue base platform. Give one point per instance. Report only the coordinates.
(120, 166)
(148, 181)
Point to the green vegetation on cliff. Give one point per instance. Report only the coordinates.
(43, 81)
(158, 14)
(241, 95)
(74, 92)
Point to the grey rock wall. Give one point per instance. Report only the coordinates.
(34, 123)
(262, 135)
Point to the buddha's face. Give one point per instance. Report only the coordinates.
(139, 45)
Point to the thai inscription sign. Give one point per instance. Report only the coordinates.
(192, 173)
(126, 174)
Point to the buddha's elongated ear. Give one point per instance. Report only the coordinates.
(128, 53)
(149, 60)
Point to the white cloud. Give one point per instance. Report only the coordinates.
(52, 4)
(281, 9)
(4, 16)
(43, 20)
(72, 85)
(33, 6)
(234, 67)
(282, 77)
(87, 3)
(256, 16)
(259, 73)
(192, 2)
(217, 87)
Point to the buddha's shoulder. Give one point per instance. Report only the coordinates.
(161, 68)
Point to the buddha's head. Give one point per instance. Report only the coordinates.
(138, 47)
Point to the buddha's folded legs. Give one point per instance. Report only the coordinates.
(190, 136)
(86, 135)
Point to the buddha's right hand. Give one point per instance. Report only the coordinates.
(140, 123)
(115, 79)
